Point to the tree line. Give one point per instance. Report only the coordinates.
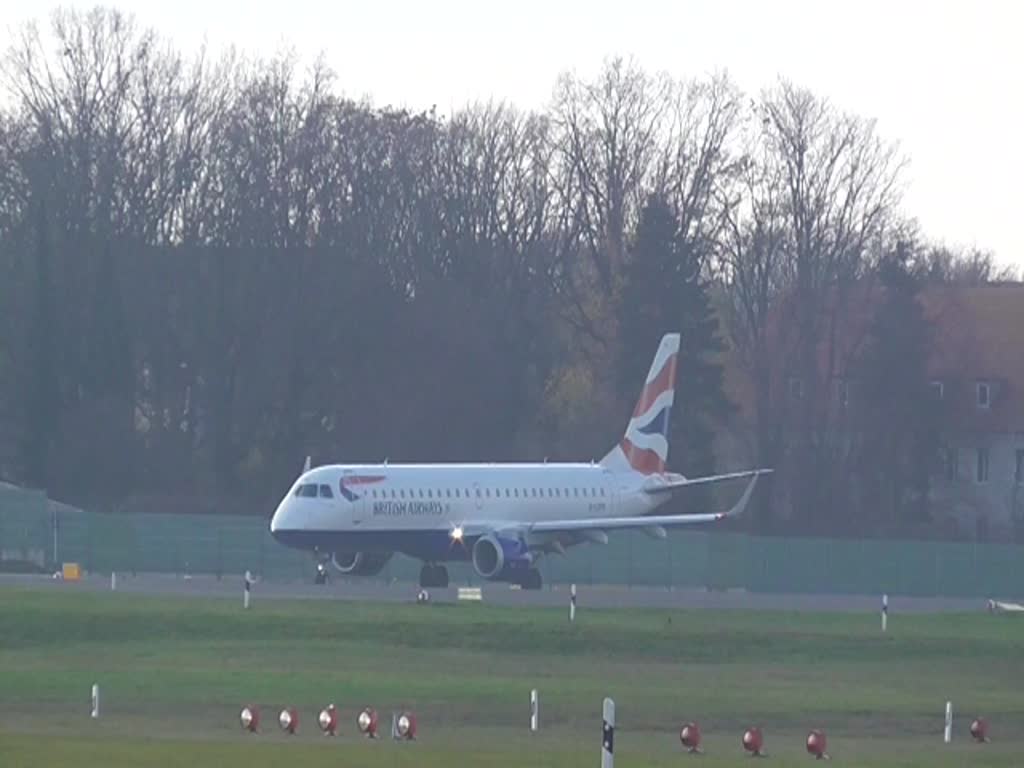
(215, 266)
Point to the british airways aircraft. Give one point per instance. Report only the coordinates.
(500, 517)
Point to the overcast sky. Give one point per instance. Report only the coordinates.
(944, 79)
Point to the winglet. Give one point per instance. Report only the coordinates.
(305, 467)
(741, 505)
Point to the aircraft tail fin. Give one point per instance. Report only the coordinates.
(644, 447)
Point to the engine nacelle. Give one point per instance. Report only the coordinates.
(360, 563)
(500, 559)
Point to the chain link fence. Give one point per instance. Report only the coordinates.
(37, 534)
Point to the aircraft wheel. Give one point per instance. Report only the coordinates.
(427, 576)
(532, 579)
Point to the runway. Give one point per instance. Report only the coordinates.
(595, 596)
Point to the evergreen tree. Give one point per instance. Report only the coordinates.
(42, 393)
(663, 292)
(901, 425)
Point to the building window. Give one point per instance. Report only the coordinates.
(844, 393)
(796, 388)
(983, 394)
(982, 473)
(1018, 473)
(937, 389)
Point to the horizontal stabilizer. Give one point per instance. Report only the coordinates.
(656, 484)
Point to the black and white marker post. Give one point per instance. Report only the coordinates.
(534, 711)
(885, 612)
(248, 589)
(608, 735)
(572, 603)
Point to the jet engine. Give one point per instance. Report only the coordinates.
(499, 559)
(360, 563)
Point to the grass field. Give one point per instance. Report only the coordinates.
(175, 672)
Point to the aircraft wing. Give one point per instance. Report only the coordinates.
(673, 483)
(645, 521)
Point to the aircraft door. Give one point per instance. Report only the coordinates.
(357, 503)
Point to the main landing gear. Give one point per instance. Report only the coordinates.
(435, 576)
(531, 579)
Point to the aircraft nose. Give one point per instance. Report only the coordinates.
(278, 520)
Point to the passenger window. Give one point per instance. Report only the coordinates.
(515, 492)
(575, 491)
(402, 493)
(602, 491)
(430, 493)
(457, 494)
(478, 493)
(325, 492)
(421, 493)
(448, 492)
(487, 491)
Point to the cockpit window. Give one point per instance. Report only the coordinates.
(306, 491)
(325, 492)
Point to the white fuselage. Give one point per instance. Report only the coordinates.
(376, 507)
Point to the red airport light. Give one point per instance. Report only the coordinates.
(250, 719)
(816, 744)
(405, 726)
(328, 720)
(689, 735)
(367, 723)
(288, 720)
(979, 729)
(753, 741)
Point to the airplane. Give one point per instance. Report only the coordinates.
(502, 518)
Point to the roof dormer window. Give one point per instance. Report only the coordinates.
(983, 394)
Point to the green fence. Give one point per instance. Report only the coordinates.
(230, 545)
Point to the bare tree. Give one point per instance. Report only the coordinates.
(820, 187)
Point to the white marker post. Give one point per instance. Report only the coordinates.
(113, 581)
(572, 603)
(885, 611)
(534, 710)
(248, 589)
(608, 735)
(95, 700)
(948, 734)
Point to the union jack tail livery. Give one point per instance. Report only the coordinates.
(644, 447)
